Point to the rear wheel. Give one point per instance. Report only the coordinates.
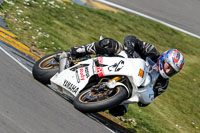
(45, 68)
(91, 100)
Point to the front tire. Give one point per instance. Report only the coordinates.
(88, 102)
(43, 70)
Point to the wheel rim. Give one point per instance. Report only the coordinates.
(49, 63)
(90, 96)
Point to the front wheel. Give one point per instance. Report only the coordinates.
(45, 68)
(91, 101)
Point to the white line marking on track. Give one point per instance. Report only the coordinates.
(22, 65)
(146, 16)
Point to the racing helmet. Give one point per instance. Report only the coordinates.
(174, 58)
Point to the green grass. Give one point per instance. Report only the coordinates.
(53, 29)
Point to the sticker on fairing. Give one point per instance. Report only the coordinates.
(87, 72)
(99, 70)
(77, 77)
(116, 67)
(71, 87)
(82, 75)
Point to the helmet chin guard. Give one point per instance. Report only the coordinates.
(163, 74)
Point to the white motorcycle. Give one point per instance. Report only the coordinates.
(99, 83)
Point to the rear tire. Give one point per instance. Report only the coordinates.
(87, 103)
(43, 70)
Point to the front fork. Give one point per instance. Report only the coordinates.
(108, 84)
(114, 82)
(117, 78)
(63, 61)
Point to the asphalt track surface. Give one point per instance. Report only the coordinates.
(27, 106)
(184, 14)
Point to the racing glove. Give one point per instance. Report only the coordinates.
(129, 44)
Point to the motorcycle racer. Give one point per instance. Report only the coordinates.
(169, 63)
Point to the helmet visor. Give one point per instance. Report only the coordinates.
(168, 69)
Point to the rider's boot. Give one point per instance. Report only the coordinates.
(77, 52)
(106, 46)
(119, 110)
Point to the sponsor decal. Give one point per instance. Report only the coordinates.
(71, 87)
(82, 75)
(87, 72)
(99, 70)
(117, 66)
(77, 77)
